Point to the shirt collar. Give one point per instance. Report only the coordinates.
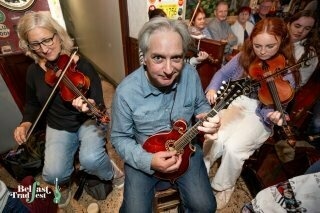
(299, 42)
(148, 88)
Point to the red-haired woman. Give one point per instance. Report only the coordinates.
(247, 123)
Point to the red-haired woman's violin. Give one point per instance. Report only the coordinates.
(274, 90)
(264, 69)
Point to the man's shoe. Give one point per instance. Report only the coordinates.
(96, 188)
(118, 176)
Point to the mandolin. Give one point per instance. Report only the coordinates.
(179, 138)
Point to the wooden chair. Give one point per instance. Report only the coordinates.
(208, 68)
(165, 200)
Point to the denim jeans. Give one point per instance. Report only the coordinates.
(194, 188)
(61, 147)
(15, 205)
(315, 167)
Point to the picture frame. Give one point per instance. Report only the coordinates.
(17, 5)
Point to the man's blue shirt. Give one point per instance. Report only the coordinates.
(140, 110)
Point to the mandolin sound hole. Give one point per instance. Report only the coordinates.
(171, 147)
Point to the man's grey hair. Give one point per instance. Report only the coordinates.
(163, 24)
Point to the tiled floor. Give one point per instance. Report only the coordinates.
(113, 201)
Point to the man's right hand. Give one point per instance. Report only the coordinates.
(166, 161)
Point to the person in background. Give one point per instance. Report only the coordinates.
(220, 28)
(263, 11)
(69, 124)
(304, 36)
(157, 12)
(194, 61)
(198, 27)
(247, 122)
(242, 28)
(165, 89)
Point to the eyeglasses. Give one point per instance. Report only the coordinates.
(45, 42)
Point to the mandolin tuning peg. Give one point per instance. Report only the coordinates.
(222, 87)
(224, 82)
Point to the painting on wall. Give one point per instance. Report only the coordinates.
(175, 9)
(16, 5)
(10, 13)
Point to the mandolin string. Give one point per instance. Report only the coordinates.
(193, 131)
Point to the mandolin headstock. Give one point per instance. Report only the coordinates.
(230, 90)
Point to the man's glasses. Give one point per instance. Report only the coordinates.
(45, 42)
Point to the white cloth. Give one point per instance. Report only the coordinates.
(238, 30)
(240, 134)
(298, 194)
(305, 71)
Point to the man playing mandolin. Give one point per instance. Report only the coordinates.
(151, 100)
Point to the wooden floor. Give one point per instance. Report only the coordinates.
(113, 201)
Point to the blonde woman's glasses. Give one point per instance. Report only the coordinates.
(44, 42)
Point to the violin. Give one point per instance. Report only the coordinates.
(273, 90)
(72, 81)
(265, 69)
(73, 84)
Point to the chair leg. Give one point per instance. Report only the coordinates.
(166, 200)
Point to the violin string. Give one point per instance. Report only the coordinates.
(76, 91)
(71, 86)
(283, 70)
